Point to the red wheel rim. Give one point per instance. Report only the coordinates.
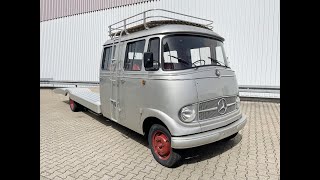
(161, 145)
(71, 104)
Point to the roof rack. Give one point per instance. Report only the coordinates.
(123, 25)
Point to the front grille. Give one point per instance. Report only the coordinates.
(212, 104)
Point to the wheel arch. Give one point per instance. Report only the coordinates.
(149, 121)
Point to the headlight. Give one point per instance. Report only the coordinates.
(238, 102)
(188, 113)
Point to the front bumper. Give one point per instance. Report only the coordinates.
(209, 136)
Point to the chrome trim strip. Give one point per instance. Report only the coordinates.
(211, 109)
(231, 104)
(148, 78)
(218, 98)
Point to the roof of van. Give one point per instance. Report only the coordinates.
(166, 29)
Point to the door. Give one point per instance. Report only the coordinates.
(109, 91)
(130, 84)
(114, 85)
(105, 84)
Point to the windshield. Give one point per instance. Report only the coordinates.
(186, 51)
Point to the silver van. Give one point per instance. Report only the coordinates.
(168, 79)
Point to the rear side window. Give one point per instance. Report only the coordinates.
(154, 44)
(107, 58)
(134, 56)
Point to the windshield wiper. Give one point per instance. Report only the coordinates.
(220, 63)
(186, 62)
(194, 63)
(180, 60)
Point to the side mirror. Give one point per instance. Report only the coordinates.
(149, 64)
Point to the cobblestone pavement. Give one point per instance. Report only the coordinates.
(82, 145)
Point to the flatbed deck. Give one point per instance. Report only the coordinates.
(83, 96)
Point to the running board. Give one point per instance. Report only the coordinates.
(83, 96)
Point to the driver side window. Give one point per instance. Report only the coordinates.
(106, 61)
(154, 47)
(134, 56)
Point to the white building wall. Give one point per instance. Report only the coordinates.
(70, 48)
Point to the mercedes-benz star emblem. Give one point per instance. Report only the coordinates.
(218, 72)
(222, 106)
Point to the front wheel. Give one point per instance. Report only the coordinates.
(159, 139)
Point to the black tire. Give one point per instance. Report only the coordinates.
(230, 137)
(169, 157)
(74, 106)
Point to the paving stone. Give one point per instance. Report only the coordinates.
(81, 145)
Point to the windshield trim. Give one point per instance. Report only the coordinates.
(196, 67)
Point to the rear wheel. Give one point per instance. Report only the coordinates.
(74, 106)
(159, 139)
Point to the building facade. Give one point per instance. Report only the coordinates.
(72, 33)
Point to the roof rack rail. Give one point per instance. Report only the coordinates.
(123, 24)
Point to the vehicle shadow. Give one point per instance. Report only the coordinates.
(208, 151)
(125, 132)
(189, 156)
